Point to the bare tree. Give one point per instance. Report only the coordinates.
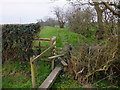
(60, 16)
(102, 7)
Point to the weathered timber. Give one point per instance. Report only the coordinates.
(51, 78)
(53, 62)
(43, 52)
(53, 39)
(53, 42)
(33, 73)
(43, 39)
(64, 63)
(54, 57)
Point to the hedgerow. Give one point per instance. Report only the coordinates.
(17, 41)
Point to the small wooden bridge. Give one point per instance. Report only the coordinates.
(55, 71)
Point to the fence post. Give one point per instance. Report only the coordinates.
(53, 61)
(53, 41)
(33, 72)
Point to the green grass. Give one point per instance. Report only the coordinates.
(17, 75)
(63, 36)
(66, 81)
(106, 84)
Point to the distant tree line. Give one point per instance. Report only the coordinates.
(48, 22)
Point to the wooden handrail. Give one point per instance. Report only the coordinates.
(43, 52)
(53, 57)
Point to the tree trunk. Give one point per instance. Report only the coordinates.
(100, 31)
(61, 24)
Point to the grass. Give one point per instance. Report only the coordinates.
(17, 75)
(66, 81)
(63, 36)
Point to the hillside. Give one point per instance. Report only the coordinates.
(63, 36)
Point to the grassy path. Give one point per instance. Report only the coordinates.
(17, 75)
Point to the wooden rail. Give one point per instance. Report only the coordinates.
(63, 63)
(54, 57)
(43, 39)
(43, 53)
(51, 78)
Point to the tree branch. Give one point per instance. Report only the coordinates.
(111, 9)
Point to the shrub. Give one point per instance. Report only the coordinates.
(17, 41)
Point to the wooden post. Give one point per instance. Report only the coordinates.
(53, 41)
(33, 73)
(64, 64)
(65, 69)
(53, 61)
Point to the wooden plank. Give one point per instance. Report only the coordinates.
(43, 39)
(53, 57)
(63, 62)
(51, 78)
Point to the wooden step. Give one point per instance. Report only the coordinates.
(51, 78)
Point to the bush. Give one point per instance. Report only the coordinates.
(17, 41)
(98, 60)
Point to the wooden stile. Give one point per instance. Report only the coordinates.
(51, 78)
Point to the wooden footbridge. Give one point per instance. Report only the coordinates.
(55, 70)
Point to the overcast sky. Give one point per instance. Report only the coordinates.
(27, 11)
